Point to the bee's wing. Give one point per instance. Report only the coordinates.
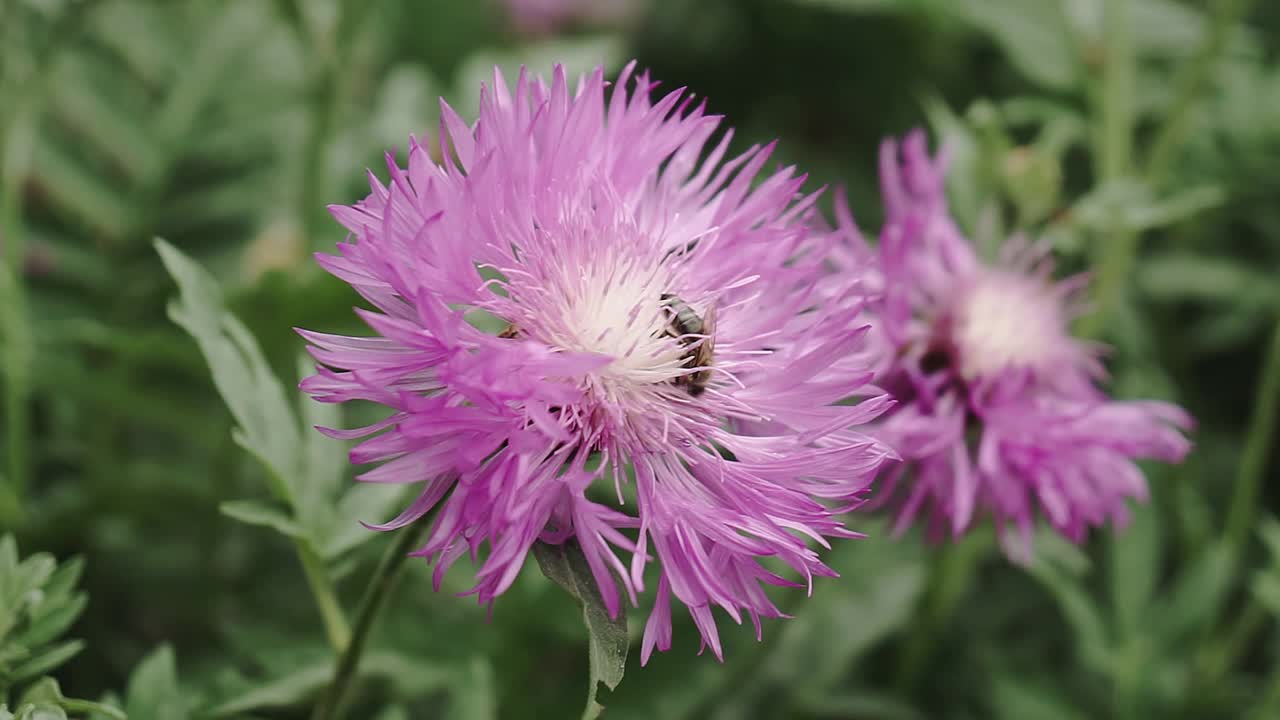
(708, 345)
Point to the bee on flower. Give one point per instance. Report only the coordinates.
(647, 298)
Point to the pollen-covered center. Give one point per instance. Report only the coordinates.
(625, 312)
(1004, 321)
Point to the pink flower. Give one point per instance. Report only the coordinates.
(646, 299)
(999, 413)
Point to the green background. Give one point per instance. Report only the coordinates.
(1140, 136)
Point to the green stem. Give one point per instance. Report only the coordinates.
(335, 621)
(330, 47)
(313, 162)
(1116, 112)
(1257, 447)
(952, 573)
(375, 596)
(1189, 83)
(1115, 141)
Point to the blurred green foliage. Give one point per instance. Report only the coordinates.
(1140, 135)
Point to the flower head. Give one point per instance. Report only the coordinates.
(647, 301)
(999, 411)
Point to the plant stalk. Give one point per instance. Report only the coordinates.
(336, 627)
(1257, 448)
(953, 570)
(1115, 112)
(380, 586)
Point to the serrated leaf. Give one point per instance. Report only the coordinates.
(267, 425)
(46, 661)
(256, 512)
(608, 642)
(72, 188)
(221, 48)
(81, 101)
(143, 35)
(153, 692)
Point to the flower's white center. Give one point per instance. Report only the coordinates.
(619, 312)
(1005, 321)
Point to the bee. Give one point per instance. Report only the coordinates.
(509, 332)
(684, 323)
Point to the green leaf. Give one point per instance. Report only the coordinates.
(64, 579)
(47, 660)
(280, 692)
(368, 503)
(52, 619)
(474, 693)
(965, 188)
(1016, 698)
(1092, 641)
(94, 708)
(43, 690)
(877, 594)
(1135, 567)
(608, 643)
(41, 711)
(257, 512)
(1032, 33)
(80, 193)
(267, 425)
(153, 692)
(324, 464)
(1133, 205)
(1197, 595)
(1189, 276)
